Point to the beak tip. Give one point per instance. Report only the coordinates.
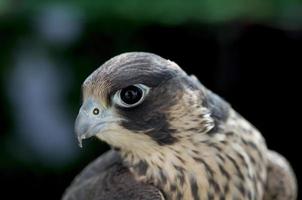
(80, 141)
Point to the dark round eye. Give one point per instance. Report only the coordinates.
(131, 94)
(96, 111)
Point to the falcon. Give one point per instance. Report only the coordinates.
(171, 138)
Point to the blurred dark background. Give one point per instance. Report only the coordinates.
(249, 52)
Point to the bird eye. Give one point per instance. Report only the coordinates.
(131, 96)
(96, 111)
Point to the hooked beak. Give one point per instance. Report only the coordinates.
(88, 124)
(84, 127)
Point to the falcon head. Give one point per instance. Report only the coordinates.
(140, 101)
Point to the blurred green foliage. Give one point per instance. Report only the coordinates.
(169, 11)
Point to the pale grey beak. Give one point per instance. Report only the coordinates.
(82, 126)
(89, 124)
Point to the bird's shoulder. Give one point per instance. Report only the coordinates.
(107, 178)
(281, 182)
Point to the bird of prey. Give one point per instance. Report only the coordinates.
(171, 138)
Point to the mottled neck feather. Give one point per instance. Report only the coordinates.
(177, 169)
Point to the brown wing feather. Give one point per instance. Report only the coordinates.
(281, 181)
(106, 178)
